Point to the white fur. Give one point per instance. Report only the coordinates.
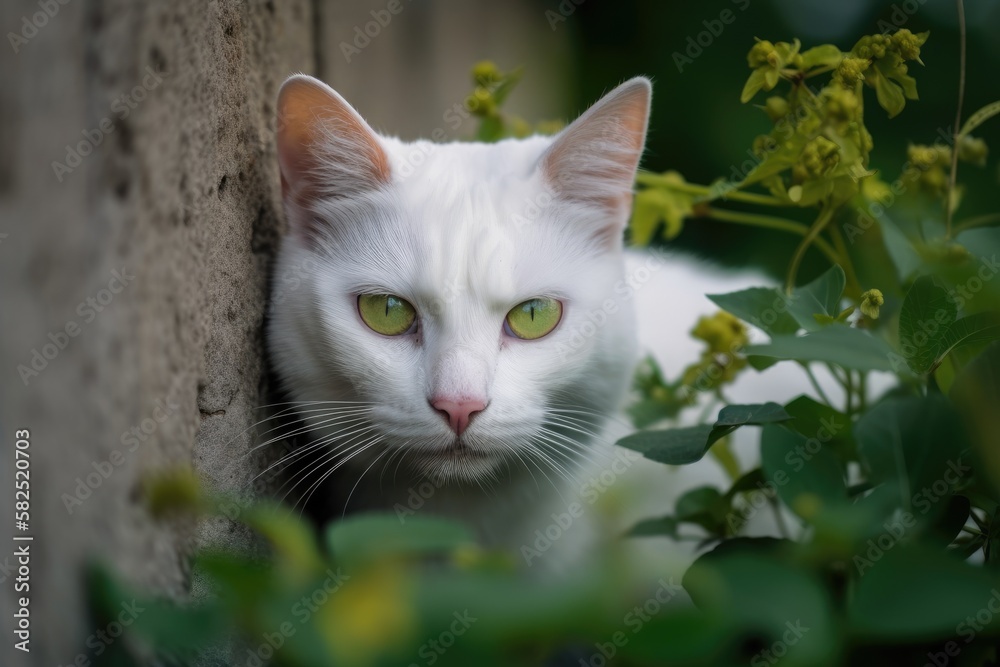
(464, 232)
(464, 236)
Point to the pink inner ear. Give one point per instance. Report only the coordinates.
(594, 160)
(324, 147)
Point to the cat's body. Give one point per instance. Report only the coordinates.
(457, 415)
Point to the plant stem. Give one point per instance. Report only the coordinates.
(862, 391)
(958, 117)
(853, 285)
(658, 180)
(849, 392)
(811, 236)
(771, 222)
(978, 221)
(780, 520)
(816, 385)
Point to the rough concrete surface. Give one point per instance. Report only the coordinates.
(164, 213)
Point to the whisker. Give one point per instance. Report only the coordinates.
(306, 428)
(348, 502)
(315, 486)
(301, 451)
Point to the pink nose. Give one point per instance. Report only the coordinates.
(458, 412)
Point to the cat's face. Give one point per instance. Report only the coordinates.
(465, 301)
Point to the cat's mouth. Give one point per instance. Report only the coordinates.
(460, 451)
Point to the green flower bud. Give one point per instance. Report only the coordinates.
(934, 180)
(776, 107)
(723, 332)
(956, 253)
(485, 73)
(921, 156)
(870, 303)
(974, 150)
(907, 44)
(762, 145)
(842, 105)
(481, 102)
(760, 53)
(819, 157)
(519, 127)
(851, 70)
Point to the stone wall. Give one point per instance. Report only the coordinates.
(139, 211)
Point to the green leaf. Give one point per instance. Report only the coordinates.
(812, 475)
(787, 153)
(763, 307)
(649, 411)
(924, 320)
(828, 55)
(754, 84)
(677, 446)
(821, 296)
(914, 442)
(367, 537)
(976, 392)
(978, 328)
(776, 313)
(916, 593)
(161, 624)
(752, 480)
(979, 117)
(904, 256)
(890, 96)
(818, 420)
(836, 344)
(766, 598)
(703, 506)
(756, 413)
(946, 527)
(653, 205)
(292, 538)
(664, 526)
(681, 446)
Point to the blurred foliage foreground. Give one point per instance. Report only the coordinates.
(890, 508)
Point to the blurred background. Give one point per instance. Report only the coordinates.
(137, 138)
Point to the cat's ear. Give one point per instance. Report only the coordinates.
(595, 158)
(325, 148)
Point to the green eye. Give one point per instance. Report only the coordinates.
(534, 318)
(386, 314)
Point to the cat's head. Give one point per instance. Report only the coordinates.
(465, 301)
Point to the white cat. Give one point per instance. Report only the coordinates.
(466, 332)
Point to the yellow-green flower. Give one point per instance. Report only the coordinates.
(974, 150)
(762, 53)
(485, 73)
(723, 332)
(370, 616)
(776, 107)
(908, 44)
(870, 303)
(819, 157)
(851, 70)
